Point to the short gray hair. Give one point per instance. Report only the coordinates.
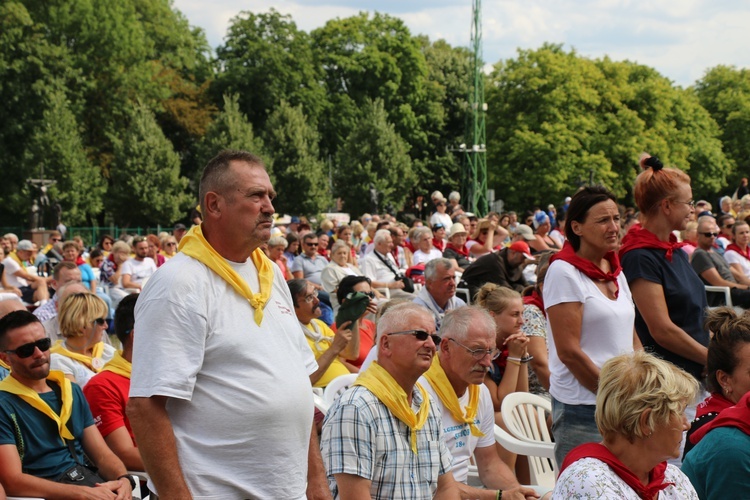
(216, 176)
(381, 235)
(458, 322)
(277, 241)
(420, 233)
(431, 268)
(455, 195)
(339, 244)
(401, 317)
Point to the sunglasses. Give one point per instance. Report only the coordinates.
(100, 321)
(27, 350)
(312, 244)
(420, 334)
(170, 244)
(710, 235)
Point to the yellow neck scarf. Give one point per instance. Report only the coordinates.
(385, 388)
(195, 245)
(442, 386)
(14, 256)
(4, 365)
(13, 386)
(118, 365)
(94, 362)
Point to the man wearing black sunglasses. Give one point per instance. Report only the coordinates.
(455, 383)
(46, 425)
(713, 268)
(386, 416)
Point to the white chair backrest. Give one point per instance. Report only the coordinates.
(320, 403)
(542, 465)
(525, 416)
(336, 386)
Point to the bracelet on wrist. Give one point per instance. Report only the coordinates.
(526, 359)
(513, 358)
(514, 362)
(130, 480)
(499, 494)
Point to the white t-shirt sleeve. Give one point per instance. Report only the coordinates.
(127, 267)
(562, 285)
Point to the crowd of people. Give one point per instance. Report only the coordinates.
(192, 355)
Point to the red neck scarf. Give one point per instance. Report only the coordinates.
(438, 243)
(590, 269)
(394, 252)
(535, 299)
(735, 416)
(639, 237)
(80, 260)
(407, 244)
(736, 248)
(461, 251)
(600, 452)
(714, 403)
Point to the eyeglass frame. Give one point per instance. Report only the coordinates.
(492, 353)
(710, 235)
(310, 298)
(690, 203)
(418, 333)
(43, 345)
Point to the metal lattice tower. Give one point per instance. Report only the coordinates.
(475, 153)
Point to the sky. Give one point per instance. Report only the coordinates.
(680, 38)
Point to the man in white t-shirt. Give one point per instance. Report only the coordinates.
(137, 270)
(220, 397)
(33, 287)
(465, 353)
(380, 266)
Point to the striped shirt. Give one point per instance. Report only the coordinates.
(362, 437)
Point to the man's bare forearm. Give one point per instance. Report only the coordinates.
(155, 437)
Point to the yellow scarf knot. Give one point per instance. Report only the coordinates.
(118, 365)
(385, 388)
(195, 245)
(94, 362)
(443, 388)
(13, 386)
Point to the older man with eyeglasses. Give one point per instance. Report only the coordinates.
(382, 438)
(454, 382)
(328, 347)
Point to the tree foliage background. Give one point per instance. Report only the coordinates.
(123, 102)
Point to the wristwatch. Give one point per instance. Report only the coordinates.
(130, 480)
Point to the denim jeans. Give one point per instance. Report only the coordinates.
(572, 425)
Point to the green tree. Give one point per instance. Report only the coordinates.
(265, 59)
(725, 92)
(556, 118)
(57, 145)
(230, 130)
(373, 156)
(300, 174)
(146, 184)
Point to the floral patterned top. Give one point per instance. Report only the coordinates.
(534, 325)
(592, 479)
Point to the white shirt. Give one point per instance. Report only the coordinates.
(732, 257)
(373, 267)
(139, 270)
(12, 267)
(420, 257)
(606, 328)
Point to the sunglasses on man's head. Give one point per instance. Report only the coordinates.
(420, 334)
(27, 350)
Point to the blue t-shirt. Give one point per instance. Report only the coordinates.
(87, 275)
(42, 451)
(684, 293)
(718, 465)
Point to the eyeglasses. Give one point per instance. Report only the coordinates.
(27, 350)
(100, 321)
(710, 235)
(54, 240)
(170, 244)
(729, 226)
(420, 334)
(311, 297)
(690, 203)
(479, 353)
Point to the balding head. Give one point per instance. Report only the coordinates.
(10, 305)
(69, 289)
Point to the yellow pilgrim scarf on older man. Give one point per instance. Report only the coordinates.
(385, 388)
(439, 381)
(13, 386)
(194, 245)
(94, 362)
(118, 365)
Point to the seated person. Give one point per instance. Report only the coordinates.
(504, 268)
(64, 272)
(33, 287)
(111, 271)
(454, 382)
(339, 268)
(82, 323)
(363, 327)
(640, 412)
(728, 367)
(71, 253)
(456, 248)
(383, 438)
(34, 427)
(737, 253)
(137, 270)
(381, 268)
(107, 391)
(422, 241)
(326, 345)
(438, 294)
(8, 306)
(52, 325)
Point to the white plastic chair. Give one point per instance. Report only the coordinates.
(465, 293)
(336, 386)
(525, 416)
(542, 465)
(320, 403)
